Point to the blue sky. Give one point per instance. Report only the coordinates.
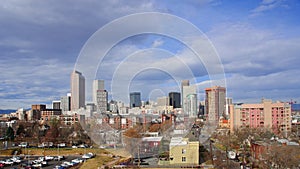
(258, 43)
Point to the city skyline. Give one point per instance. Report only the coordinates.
(257, 41)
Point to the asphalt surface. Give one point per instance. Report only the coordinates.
(51, 164)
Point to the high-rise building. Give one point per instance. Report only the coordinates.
(135, 99)
(215, 102)
(201, 108)
(189, 105)
(97, 85)
(56, 104)
(65, 102)
(183, 83)
(273, 115)
(174, 99)
(77, 90)
(162, 101)
(227, 107)
(102, 98)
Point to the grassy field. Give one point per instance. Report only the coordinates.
(64, 151)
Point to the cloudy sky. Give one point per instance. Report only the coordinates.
(257, 41)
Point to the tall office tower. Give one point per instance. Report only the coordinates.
(215, 102)
(183, 83)
(65, 102)
(174, 99)
(227, 107)
(135, 99)
(56, 104)
(77, 90)
(102, 98)
(97, 85)
(189, 103)
(201, 108)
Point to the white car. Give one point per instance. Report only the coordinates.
(8, 162)
(61, 145)
(82, 146)
(23, 144)
(48, 158)
(77, 160)
(16, 160)
(58, 158)
(67, 163)
(88, 156)
(40, 164)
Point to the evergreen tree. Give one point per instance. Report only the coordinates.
(10, 134)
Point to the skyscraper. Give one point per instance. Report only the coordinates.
(65, 102)
(102, 98)
(174, 99)
(97, 85)
(189, 103)
(135, 99)
(77, 90)
(183, 83)
(215, 100)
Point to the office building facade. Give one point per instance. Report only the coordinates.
(135, 99)
(56, 104)
(183, 83)
(65, 102)
(77, 90)
(215, 101)
(174, 99)
(190, 106)
(97, 85)
(102, 98)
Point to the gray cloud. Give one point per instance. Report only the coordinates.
(258, 63)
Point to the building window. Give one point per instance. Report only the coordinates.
(183, 151)
(183, 159)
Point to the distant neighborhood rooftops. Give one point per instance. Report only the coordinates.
(176, 141)
(152, 139)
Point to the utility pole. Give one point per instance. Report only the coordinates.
(139, 156)
(211, 153)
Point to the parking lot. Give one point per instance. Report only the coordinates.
(47, 162)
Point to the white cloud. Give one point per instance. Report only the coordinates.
(157, 43)
(266, 5)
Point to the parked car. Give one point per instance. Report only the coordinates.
(88, 156)
(61, 145)
(48, 158)
(23, 144)
(16, 160)
(77, 160)
(58, 158)
(8, 162)
(82, 146)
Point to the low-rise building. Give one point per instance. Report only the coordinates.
(183, 152)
